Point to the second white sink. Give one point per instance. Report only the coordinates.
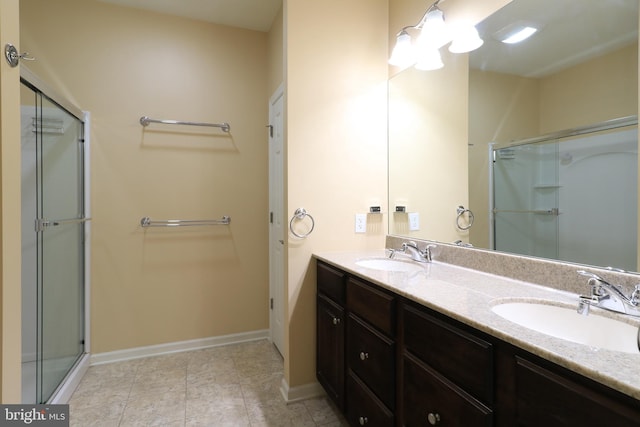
(566, 323)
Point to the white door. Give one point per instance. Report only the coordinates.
(276, 220)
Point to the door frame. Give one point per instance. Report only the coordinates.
(276, 196)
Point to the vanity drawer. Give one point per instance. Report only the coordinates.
(464, 358)
(372, 304)
(364, 408)
(370, 355)
(431, 399)
(331, 282)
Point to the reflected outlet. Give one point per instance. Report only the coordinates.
(414, 221)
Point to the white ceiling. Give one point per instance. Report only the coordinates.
(250, 14)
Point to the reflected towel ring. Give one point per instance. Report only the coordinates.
(461, 211)
(300, 214)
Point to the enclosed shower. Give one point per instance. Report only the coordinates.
(54, 234)
(571, 196)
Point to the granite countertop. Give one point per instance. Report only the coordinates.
(468, 295)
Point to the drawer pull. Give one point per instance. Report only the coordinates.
(363, 355)
(336, 320)
(363, 420)
(434, 419)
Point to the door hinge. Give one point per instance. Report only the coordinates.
(270, 217)
(271, 303)
(270, 130)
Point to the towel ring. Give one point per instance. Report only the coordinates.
(461, 211)
(300, 214)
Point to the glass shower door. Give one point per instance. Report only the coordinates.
(60, 244)
(526, 202)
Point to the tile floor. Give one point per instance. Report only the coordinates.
(235, 385)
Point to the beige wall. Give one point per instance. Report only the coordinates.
(428, 117)
(159, 285)
(592, 92)
(10, 289)
(336, 146)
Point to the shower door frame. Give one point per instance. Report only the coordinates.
(64, 390)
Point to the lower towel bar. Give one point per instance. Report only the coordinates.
(148, 222)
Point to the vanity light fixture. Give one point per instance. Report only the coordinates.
(434, 33)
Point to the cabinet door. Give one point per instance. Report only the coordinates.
(431, 399)
(330, 349)
(546, 398)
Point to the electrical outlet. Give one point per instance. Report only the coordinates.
(361, 223)
(414, 221)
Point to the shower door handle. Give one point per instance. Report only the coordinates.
(42, 223)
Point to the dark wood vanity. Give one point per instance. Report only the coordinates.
(386, 360)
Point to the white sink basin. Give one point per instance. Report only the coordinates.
(389, 264)
(564, 322)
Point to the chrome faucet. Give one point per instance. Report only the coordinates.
(608, 296)
(412, 250)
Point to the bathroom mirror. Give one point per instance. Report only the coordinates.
(577, 73)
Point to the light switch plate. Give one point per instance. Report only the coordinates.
(414, 221)
(361, 223)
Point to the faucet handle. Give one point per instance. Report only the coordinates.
(595, 282)
(590, 275)
(635, 298)
(427, 253)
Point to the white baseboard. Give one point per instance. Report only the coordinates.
(176, 347)
(302, 392)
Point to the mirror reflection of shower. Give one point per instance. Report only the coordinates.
(549, 195)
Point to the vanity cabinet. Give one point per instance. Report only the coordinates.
(389, 361)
